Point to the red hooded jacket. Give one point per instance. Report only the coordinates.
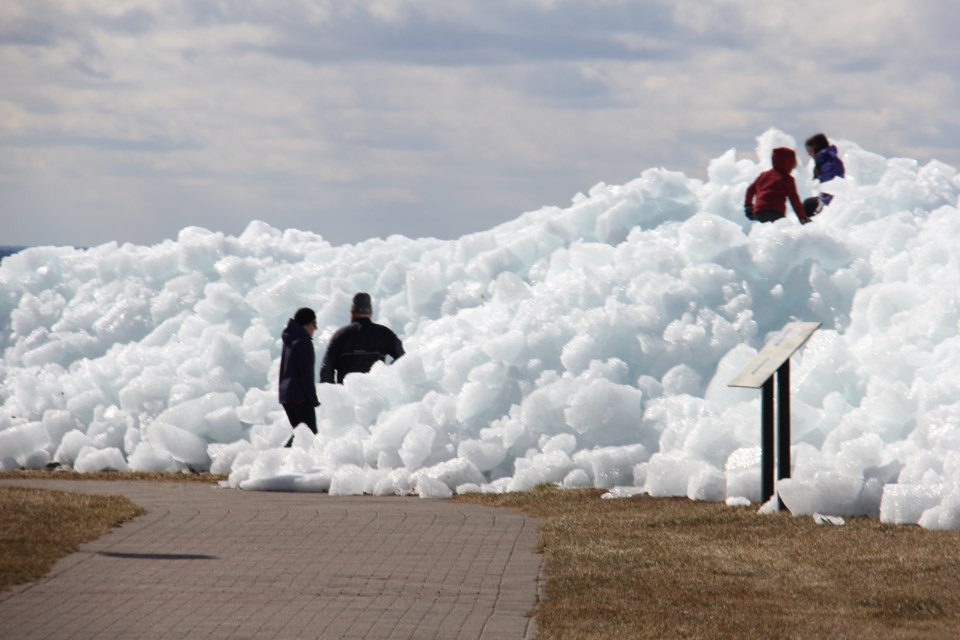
(774, 187)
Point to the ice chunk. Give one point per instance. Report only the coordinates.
(36, 460)
(605, 413)
(348, 480)
(427, 487)
(346, 450)
(743, 474)
(906, 503)
(91, 459)
(22, 440)
(483, 454)
(670, 474)
(820, 519)
(612, 466)
(223, 455)
(192, 415)
(708, 484)
(483, 393)
(452, 473)
(509, 348)
(183, 445)
(828, 492)
(58, 422)
(146, 458)
(417, 445)
(223, 425)
(393, 425)
(566, 442)
(541, 468)
(70, 447)
(577, 479)
(682, 379)
(944, 516)
(622, 492)
(395, 482)
(425, 288)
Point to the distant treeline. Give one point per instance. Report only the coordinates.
(9, 251)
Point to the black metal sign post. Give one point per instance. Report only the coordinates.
(774, 358)
(783, 422)
(766, 441)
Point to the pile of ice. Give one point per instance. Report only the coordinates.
(590, 345)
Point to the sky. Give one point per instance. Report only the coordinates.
(589, 345)
(130, 120)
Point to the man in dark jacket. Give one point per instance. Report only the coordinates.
(355, 347)
(298, 393)
(767, 196)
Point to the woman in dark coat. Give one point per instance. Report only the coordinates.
(298, 391)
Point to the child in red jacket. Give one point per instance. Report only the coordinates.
(766, 197)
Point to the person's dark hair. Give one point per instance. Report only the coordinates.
(818, 142)
(304, 316)
(361, 304)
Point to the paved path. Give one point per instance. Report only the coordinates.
(207, 563)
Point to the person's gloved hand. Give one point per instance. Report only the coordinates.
(804, 220)
(748, 211)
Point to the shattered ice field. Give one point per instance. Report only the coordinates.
(586, 345)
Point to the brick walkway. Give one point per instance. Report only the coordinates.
(207, 563)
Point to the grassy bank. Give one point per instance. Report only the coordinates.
(37, 527)
(672, 568)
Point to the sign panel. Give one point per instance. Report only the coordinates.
(774, 354)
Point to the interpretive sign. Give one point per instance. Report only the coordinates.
(774, 354)
(774, 358)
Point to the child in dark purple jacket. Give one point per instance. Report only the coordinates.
(827, 165)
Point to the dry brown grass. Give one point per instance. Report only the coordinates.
(635, 568)
(68, 474)
(38, 526)
(672, 568)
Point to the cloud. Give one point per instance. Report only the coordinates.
(426, 117)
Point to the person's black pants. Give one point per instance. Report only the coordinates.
(768, 216)
(301, 414)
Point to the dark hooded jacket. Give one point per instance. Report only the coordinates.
(772, 188)
(356, 347)
(827, 165)
(297, 364)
